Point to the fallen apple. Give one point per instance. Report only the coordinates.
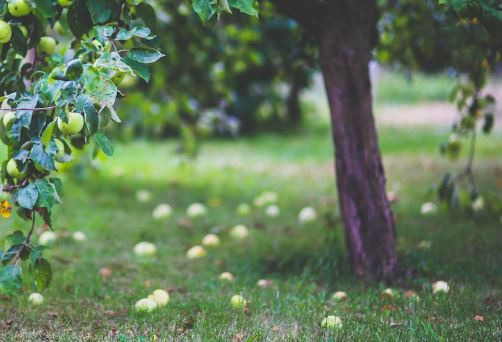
(36, 298)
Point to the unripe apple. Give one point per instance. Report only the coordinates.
(238, 302)
(387, 293)
(145, 305)
(332, 322)
(5, 32)
(8, 117)
(145, 249)
(12, 169)
(65, 3)
(117, 77)
(79, 236)
(134, 2)
(47, 45)
(440, 286)
(340, 295)
(226, 276)
(243, 209)
(239, 232)
(24, 31)
(211, 240)
(36, 299)
(47, 238)
(60, 147)
(19, 8)
(196, 252)
(160, 297)
(58, 27)
(128, 82)
(61, 167)
(73, 126)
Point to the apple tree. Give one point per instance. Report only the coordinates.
(56, 96)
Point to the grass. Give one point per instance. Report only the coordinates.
(396, 87)
(306, 263)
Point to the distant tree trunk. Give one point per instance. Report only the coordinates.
(346, 30)
(293, 103)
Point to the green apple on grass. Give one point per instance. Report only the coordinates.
(19, 8)
(73, 126)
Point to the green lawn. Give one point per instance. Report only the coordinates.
(307, 263)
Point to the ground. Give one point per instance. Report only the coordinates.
(306, 263)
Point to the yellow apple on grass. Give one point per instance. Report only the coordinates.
(160, 297)
(36, 299)
(226, 276)
(238, 302)
(332, 322)
(211, 240)
(145, 305)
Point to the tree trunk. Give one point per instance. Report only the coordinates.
(345, 49)
(293, 104)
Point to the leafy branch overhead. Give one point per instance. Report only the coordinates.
(206, 9)
(58, 93)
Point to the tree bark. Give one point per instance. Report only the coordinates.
(293, 104)
(345, 51)
(346, 30)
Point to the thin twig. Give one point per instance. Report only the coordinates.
(31, 109)
(26, 241)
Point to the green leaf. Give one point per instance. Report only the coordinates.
(42, 274)
(18, 41)
(46, 196)
(10, 279)
(85, 105)
(27, 196)
(138, 31)
(41, 159)
(147, 14)
(145, 55)
(79, 18)
(73, 69)
(48, 8)
(205, 8)
(139, 69)
(245, 6)
(47, 133)
(488, 123)
(100, 87)
(104, 143)
(100, 10)
(15, 238)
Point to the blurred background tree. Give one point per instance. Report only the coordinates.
(233, 74)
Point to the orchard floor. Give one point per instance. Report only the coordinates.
(306, 263)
